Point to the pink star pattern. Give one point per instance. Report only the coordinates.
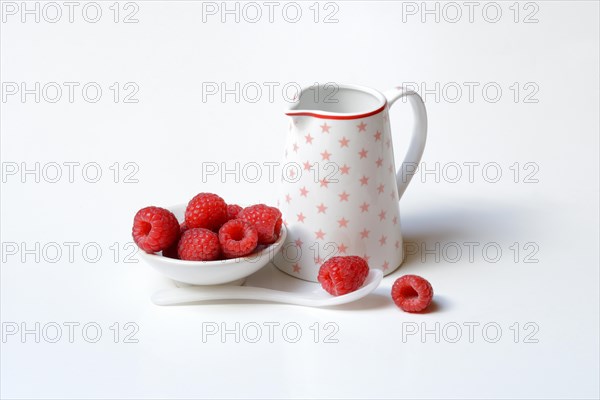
(359, 178)
(364, 207)
(382, 240)
(366, 257)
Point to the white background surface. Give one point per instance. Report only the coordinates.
(171, 131)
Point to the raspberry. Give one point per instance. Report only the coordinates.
(237, 238)
(155, 229)
(206, 210)
(198, 244)
(266, 220)
(183, 227)
(232, 211)
(342, 275)
(171, 251)
(412, 293)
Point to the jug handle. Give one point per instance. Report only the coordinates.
(418, 138)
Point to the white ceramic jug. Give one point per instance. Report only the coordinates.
(340, 190)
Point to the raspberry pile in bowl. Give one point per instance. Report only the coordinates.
(212, 229)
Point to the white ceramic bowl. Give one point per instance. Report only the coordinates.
(212, 272)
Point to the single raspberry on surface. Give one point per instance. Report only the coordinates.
(342, 275)
(206, 210)
(412, 293)
(155, 229)
(199, 244)
(237, 238)
(232, 211)
(266, 220)
(171, 251)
